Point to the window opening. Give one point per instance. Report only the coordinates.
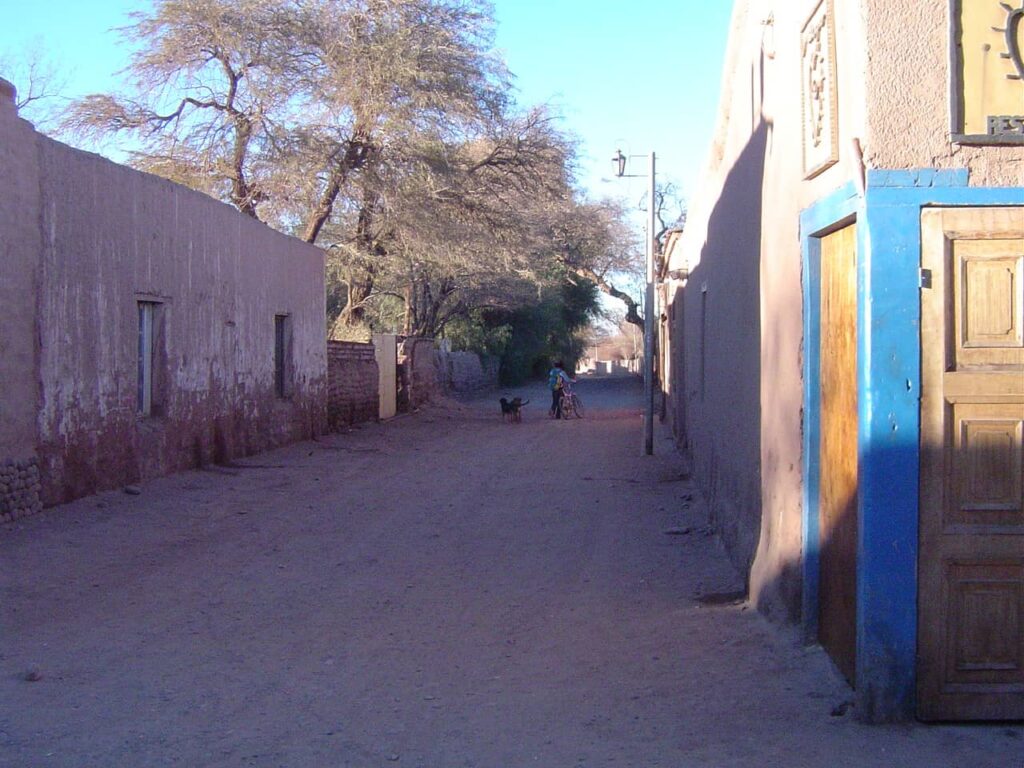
(147, 325)
(282, 355)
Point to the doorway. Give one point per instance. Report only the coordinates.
(837, 511)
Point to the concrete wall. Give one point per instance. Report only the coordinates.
(385, 347)
(105, 237)
(353, 383)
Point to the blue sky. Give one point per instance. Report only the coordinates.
(642, 74)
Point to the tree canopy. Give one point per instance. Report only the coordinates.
(383, 131)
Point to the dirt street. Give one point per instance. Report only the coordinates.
(444, 590)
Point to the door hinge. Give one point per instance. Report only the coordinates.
(925, 279)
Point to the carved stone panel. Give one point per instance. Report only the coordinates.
(987, 66)
(819, 95)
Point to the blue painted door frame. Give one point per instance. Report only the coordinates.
(888, 215)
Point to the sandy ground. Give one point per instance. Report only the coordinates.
(444, 591)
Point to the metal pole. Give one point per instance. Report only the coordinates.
(649, 321)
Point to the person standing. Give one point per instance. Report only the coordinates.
(557, 379)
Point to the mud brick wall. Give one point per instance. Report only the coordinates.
(352, 383)
(19, 489)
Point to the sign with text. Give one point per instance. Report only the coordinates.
(988, 71)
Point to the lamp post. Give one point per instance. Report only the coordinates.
(620, 171)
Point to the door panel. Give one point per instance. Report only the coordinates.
(986, 300)
(971, 559)
(837, 619)
(987, 462)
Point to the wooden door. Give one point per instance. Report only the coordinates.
(837, 605)
(971, 557)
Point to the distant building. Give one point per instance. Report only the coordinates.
(844, 335)
(147, 328)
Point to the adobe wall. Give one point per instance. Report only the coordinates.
(419, 379)
(105, 237)
(353, 383)
(426, 372)
(910, 77)
(739, 368)
(740, 413)
(19, 257)
(467, 372)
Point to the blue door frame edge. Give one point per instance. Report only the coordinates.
(889, 354)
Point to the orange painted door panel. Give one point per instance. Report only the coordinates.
(837, 612)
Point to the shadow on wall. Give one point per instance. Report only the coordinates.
(721, 358)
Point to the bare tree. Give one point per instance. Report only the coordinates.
(457, 226)
(211, 94)
(669, 216)
(595, 243)
(39, 82)
(380, 130)
(305, 112)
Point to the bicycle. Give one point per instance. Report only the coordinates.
(572, 405)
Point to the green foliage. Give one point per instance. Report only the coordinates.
(481, 331)
(528, 339)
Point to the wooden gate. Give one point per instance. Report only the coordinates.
(837, 612)
(971, 557)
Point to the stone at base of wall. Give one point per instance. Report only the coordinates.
(19, 489)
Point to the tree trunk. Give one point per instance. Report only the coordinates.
(359, 289)
(632, 306)
(356, 154)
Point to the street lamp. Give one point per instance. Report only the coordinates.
(620, 163)
(620, 171)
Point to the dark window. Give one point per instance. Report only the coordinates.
(147, 338)
(282, 355)
(703, 339)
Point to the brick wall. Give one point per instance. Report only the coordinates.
(353, 383)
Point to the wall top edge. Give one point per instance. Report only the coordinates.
(918, 178)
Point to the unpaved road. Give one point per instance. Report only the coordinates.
(443, 591)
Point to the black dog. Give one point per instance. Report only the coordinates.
(511, 410)
(517, 408)
(506, 410)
